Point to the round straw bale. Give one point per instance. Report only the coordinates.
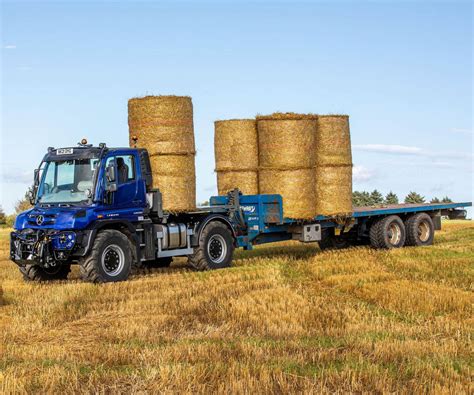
(235, 144)
(246, 181)
(162, 124)
(174, 176)
(333, 140)
(286, 141)
(333, 189)
(296, 187)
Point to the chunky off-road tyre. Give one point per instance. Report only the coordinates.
(329, 241)
(37, 273)
(159, 262)
(109, 260)
(387, 233)
(215, 250)
(420, 230)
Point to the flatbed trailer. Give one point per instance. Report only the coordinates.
(91, 209)
(263, 219)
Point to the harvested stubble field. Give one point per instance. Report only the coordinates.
(284, 319)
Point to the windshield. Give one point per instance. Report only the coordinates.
(69, 181)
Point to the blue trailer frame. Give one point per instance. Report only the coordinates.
(264, 220)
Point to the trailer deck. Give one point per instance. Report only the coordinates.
(369, 211)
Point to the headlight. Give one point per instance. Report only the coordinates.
(64, 241)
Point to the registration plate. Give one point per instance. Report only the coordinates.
(64, 151)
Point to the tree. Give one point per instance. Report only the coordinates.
(360, 199)
(357, 199)
(435, 200)
(446, 200)
(391, 198)
(376, 198)
(3, 217)
(23, 204)
(414, 197)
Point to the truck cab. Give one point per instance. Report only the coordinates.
(95, 207)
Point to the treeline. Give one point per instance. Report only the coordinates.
(20, 206)
(375, 198)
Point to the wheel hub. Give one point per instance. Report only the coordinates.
(217, 248)
(394, 234)
(113, 260)
(423, 231)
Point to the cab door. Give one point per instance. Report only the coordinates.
(126, 179)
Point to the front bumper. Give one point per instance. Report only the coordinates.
(44, 247)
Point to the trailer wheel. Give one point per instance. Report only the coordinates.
(215, 250)
(109, 260)
(420, 230)
(387, 233)
(38, 273)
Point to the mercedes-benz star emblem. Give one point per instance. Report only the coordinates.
(39, 220)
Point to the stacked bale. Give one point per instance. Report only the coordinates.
(164, 126)
(236, 155)
(333, 165)
(286, 161)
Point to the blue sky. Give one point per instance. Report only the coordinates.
(401, 70)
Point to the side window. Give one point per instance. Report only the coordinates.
(125, 168)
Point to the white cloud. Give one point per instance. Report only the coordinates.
(362, 174)
(10, 46)
(389, 148)
(17, 177)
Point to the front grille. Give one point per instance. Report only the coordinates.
(48, 219)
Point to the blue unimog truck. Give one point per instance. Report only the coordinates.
(95, 207)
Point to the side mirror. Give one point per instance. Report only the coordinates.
(36, 177)
(110, 173)
(31, 196)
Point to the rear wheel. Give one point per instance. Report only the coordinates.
(110, 259)
(420, 230)
(387, 233)
(215, 250)
(38, 273)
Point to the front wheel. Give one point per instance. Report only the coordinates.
(215, 250)
(110, 259)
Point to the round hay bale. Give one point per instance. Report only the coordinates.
(175, 177)
(235, 144)
(286, 141)
(296, 187)
(162, 124)
(246, 181)
(333, 140)
(333, 189)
